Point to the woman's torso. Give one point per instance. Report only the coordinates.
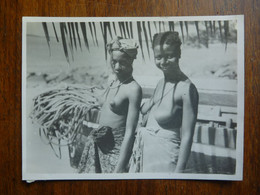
(166, 112)
(115, 107)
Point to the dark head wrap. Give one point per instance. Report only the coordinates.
(128, 46)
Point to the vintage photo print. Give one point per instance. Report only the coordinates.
(133, 98)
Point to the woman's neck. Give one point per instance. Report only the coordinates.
(175, 76)
(124, 78)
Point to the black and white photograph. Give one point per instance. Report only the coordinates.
(133, 98)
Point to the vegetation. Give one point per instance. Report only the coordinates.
(206, 32)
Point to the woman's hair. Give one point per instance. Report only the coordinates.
(169, 38)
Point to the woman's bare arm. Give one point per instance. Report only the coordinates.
(135, 97)
(190, 110)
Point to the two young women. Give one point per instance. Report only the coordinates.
(164, 144)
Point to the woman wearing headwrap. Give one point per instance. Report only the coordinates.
(118, 115)
(164, 144)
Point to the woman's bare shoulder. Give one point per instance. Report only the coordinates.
(133, 88)
(187, 89)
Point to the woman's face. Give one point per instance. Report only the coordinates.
(121, 63)
(166, 57)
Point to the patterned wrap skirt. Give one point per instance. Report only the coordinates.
(101, 152)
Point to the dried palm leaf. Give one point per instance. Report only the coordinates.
(160, 29)
(226, 29)
(46, 32)
(146, 38)
(220, 31)
(131, 29)
(84, 32)
(114, 27)
(107, 25)
(171, 26)
(150, 32)
(63, 38)
(74, 34)
(207, 34)
(70, 41)
(214, 27)
(122, 29)
(55, 32)
(127, 30)
(187, 29)
(211, 28)
(197, 29)
(139, 31)
(182, 33)
(104, 33)
(70, 34)
(95, 32)
(91, 32)
(155, 26)
(77, 30)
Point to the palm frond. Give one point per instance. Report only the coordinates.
(220, 31)
(91, 32)
(104, 33)
(70, 41)
(77, 31)
(114, 27)
(107, 25)
(63, 38)
(70, 34)
(139, 31)
(163, 24)
(182, 33)
(214, 27)
(150, 32)
(155, 26)
(171, 26)
(46, 32)
(120, 28)
(73, 33)
(211, 28)
(187, 29)
(160, 29)
(55, 32)
(131, 29)
(146, 38)
(207, 34)
(197, 29)
(127, 30)
(95, 32)
(226, 29)
(84, 32)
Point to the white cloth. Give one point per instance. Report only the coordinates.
(155, 150)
